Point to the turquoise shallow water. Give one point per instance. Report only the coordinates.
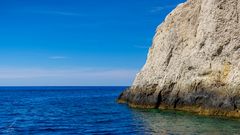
(93, 110)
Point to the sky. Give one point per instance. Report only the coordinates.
(77, 42)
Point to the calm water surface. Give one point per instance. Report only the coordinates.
(93, 110)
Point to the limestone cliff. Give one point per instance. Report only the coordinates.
(194, 61)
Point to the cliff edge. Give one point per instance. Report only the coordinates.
(194, 61)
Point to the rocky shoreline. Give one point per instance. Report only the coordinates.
(194, 62)
(200, 101)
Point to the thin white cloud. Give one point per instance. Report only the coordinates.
(141, 46)
(161, 8)
(62, 13)
(57, 57)
(72, 73)
(57, 13)
(85, 76)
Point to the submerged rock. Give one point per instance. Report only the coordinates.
(194, 62)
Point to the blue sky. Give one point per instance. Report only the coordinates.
(76, 42)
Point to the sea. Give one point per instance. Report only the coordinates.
(94, 110)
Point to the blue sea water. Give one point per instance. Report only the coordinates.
(93, 110)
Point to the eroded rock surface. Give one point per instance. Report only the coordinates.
(194, 61)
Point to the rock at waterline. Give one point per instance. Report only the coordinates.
(194, 62)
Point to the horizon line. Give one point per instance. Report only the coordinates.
(69, 86)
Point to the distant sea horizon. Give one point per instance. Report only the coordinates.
(55, 87)
(70, 86)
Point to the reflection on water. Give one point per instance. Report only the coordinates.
(169, 122)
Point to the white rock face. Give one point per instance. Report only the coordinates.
(199, 38)
(194, 59)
